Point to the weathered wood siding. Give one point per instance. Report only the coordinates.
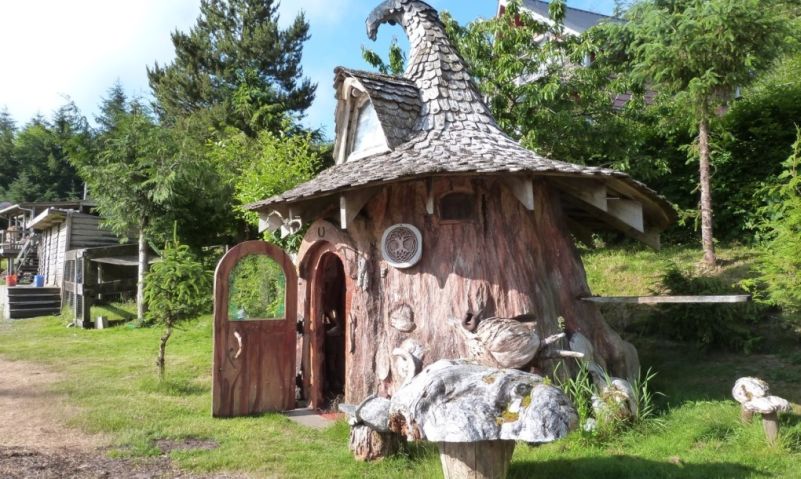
(87, 233)
(52, 246)
(78, 230)
(506, 261)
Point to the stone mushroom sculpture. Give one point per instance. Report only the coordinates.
(476, 413)
(754, 396)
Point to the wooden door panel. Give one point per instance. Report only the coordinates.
(254, 359)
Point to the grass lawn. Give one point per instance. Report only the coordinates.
(111, 373)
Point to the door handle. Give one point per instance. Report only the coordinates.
(239, 341)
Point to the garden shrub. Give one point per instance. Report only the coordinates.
(177, 289)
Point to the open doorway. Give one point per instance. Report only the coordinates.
(332, 326)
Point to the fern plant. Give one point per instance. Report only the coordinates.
(177, 289)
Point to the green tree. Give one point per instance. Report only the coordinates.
(178, 289)
(236, 67)
(700, 51)
(42, 170)
(266, 166)
(531, 75)
(133, 179)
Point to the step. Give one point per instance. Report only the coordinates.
(16, 291)
(43, 303)
(33, 313)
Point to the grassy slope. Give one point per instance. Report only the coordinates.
(112, 374)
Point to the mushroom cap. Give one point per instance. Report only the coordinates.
(767, 405)
(748, 388)
(463, 401)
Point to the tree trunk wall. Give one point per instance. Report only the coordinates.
(505, 262)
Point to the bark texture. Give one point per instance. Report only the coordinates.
(163, 349)
(706, 193)
(504, 261)
(141, 307)
(476, 460)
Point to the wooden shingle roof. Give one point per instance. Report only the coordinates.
(453, 131)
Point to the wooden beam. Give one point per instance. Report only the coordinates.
(523, 189)
(699, 299)
(627, 211)
(351, 203)
(430, 196)
(590, 192)
(272, 220)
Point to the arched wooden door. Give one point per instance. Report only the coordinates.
(255, 314)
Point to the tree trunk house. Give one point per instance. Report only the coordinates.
(430, 216)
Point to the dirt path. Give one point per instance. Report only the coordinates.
(35, 441)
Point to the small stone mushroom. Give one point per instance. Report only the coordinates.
(754, 396)
(746, 389)
(476, 413)
(769, 407)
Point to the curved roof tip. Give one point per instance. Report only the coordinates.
(387, 12)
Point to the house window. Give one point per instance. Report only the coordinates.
(368, 135)
(457, 206)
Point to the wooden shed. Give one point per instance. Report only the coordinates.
(431, 215)
(60, 230)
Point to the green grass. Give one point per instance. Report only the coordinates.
(111, 374)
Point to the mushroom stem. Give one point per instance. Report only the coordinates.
(770, 424)
(746, 415)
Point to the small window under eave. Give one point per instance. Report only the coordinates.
(368, 136)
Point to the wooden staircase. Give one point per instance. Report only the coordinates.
(30, 302)
(27, 262)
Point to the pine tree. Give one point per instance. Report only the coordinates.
(235, 67)
(700, 51)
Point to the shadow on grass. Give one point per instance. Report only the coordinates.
(621, 467)
(173, 387)
(123, 314)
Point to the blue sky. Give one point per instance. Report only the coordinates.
(55, 50)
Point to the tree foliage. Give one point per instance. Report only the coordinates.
(266, 166)
(758, 132)
(531, 75)
(781, 267)
(236, 67)
(699, 52)
(133, 176)
(396, 63)
(35, 160)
